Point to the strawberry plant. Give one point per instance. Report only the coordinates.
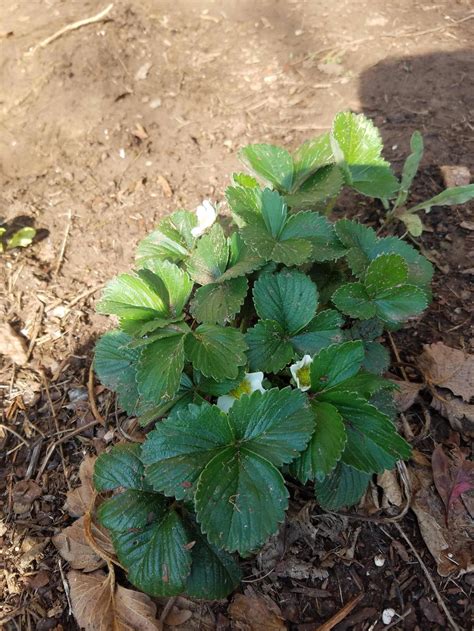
(255, 353)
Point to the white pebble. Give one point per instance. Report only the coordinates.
(388, 615)
(379, 560)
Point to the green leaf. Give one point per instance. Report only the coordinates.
(318, 231)
(115, 364)
(373, 443)
(216, 351)
(214, 572)
(449, 197)
(325, 447)
(217, 303)
(157, 559)
(353, 300)
(410, 168)
(209, 260)
(217, 388)
(240, 500)
(288, 297)
(335, 364)
(357, 146)
(245, 180)
(177, 284)
(242, 260)
(364, 383)
(119, 467)
(413, 223)
(178, 449)
(276, 424)
(343, 487)
(269, 349)
(360, 240)
(244, 202)
(377, 358)
(133, 297)
(310, 157)
(171, 241)
(273, 164)
(399, 303)
(274, 212)
(323, 330)
(420, 270)
(159, 368)
(131, 509)
(385, 272)
(317, 190)
(22, 238)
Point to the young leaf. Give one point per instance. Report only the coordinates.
(410, 168)
(209, 260)
(317, 190)
(217, 303)
(116, 364)
(175, 281)
(171, 241)
(343, 487)
(22, 238)
(273, 164)
(449, 197)
(359, 241)
(310, 157)
(335, 364)
(244, 202)
(159, 368)
(119, 467)
(325, 447)
(242, 260)
(269, 349)
(353, 300)
(216, 351)
(288, 297)
(323, 330)
(133, 297)
(412, 222)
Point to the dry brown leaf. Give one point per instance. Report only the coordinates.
(452, 547)
(254, 614)
(165, 187)
(453, 474)
(459, 414)
(97, 609)
(79, 500)
(392, 492)
(32, 551)
(449, 368)
(12, 345)
(406, 395)
(177, 616)
(74, 548)
(25, 492)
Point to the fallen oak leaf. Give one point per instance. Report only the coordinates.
(100, 605)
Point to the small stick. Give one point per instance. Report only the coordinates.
(167, 608)
(90, 388)
(63, 246)
(36, 331)
(429, 578)
(12, 431)
(397, 356)
(341, 614)
(55, 418)
(65, 585)
(71, 27)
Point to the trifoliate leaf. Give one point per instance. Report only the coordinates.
(342, 487)
(178, 449)
(240, 500)
(310, 157)
(214, 572)
(323, 330)
(216, 351)
(217, 303)
(177, 284)
(325, 447)
(360, 240)
(159, 368)
(116, 364)
(244, 202)
(130, 509)
(353, 300)
(242, 260)
(269, 349)
(410, 168)
(156, 556)
(318, 190)
(357, 147)
(209, 260)
(318, 231)
(273, 164)
(288, 297)
(373, 443)
(119, 467)
(276, 424)
(335, 364)
(449, 197)
(171, 241)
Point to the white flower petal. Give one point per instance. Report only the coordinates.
(255, 379)
(225, 402)
(298, 368)
(206, 216)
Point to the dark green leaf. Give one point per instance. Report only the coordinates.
(159, 368)
(217, 388)
(119, 467)
(343, 487)
(385, 272)
(377, 358)
(323, 330)
(399, 303)
(268, 347)
(219, 302)
(335, 364)
(273, 164)
(216, 351)
(274, 212)
(353, 300)
(131, 509)
(171, 241)
(209, 260)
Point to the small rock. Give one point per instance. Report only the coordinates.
(388, 615)
(155, 103)
(143, 71)
(379, 560)
(455, 176)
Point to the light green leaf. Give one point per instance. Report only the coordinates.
(412, 222)
(240, 500)
(133, 297)
(242, 260)
(318, 231)
(288, 297)
(244, 202)
(209, 260)
(157, 558)
(353, 300)
(216, 351)
(385, 272)
(273, 164)
(116, 364)
(276, 424)
(343, 487)
(131, 509)
(159, 368)
(399, 303)
(410, 168)
(22, 238)
(323, 330)
(317, 190)
(171, 241)
(274, 212)
(450, 197)
(325, 447)
(335, 364)
(119, 467)
(268, 348)
(245, 180)
(310, 157)
(177, 283)
(287, 251)
(178, 449)
(217, 303)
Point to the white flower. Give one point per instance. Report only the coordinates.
(251, 382)
(301, 373)
(206, 216)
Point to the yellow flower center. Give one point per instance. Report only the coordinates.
(243, 388)
(304, 376)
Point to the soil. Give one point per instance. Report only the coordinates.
(109, 127)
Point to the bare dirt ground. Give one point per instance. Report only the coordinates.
(109, 127)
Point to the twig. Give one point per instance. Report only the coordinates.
(167, 608)
(71, 27)
(12, 431)
(90, 388)
(430, 579)
(55, 418)
(397, 356)
(65, 585)
(36, 331)
(341, 614)
(63, 245)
